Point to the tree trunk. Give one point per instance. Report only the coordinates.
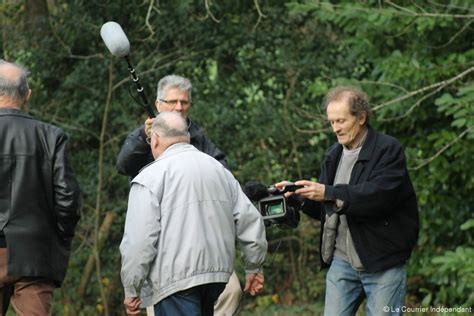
(36, 21)
(90, 265)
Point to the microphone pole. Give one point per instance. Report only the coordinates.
(140, 90)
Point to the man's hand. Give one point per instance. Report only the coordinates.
(148, 123)
(254, 283)
(132, 305)
(312, 190)
(281, 185)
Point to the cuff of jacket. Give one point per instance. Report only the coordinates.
(253, 271)
(130, 292)
(329, 194)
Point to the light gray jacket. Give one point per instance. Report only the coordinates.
(185, 211)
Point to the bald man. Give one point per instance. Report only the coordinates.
(39, 201)
(185, 211)
(174, 95)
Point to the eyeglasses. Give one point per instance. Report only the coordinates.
(173, 103)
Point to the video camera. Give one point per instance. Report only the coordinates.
(272, 204)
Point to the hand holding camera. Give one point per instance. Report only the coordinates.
(311, 190)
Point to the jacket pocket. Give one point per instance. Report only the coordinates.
(329, 237)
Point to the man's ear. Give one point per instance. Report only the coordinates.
(157, 140)
(362, 118)
(29, 95)
(157, 105)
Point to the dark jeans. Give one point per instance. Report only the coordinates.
(196, 301)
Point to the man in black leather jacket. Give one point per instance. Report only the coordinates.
(174, 94)
(39, 201)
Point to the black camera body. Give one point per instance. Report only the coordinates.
(277, 210)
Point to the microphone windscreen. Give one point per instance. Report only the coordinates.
(255, 191)
(115, 39)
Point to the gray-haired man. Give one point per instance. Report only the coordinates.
(39, 201)
(173, 95)
(368, 210)
(185, 211)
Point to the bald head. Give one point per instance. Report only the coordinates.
(170, 125)
(14, 90)
(168, 128)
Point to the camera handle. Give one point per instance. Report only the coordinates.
(290, 187)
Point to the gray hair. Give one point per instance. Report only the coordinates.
(17, 87)
(357, 100)
(173, 81)
(170, 125)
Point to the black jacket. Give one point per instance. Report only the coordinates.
(136, 153)
(379, 202)
(39, 196)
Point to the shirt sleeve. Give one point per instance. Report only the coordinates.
(140, 239)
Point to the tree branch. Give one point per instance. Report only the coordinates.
(260, 14)
(207, 3)
(100, 176)
(455, 35)
(409, 13)
(442, 150)
(417, 103)
(405, 11)
(424, 89)
(389, 84)
(147, 18)
(89, 267)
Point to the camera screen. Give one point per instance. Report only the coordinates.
(272, 207)
(275, 209)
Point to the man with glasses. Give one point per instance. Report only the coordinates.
(174, 95)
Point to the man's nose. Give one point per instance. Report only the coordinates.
(179, 106)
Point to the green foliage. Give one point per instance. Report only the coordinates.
(259, 78)
(453, 275)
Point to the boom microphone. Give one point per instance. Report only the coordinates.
(118, 44)
(115, 39)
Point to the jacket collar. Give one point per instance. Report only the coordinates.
(194, 129)
(13, 111)
(175, 149)
(334, 152)
(368, 147)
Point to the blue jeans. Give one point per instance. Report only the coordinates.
(196, 301)
(346, 288)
